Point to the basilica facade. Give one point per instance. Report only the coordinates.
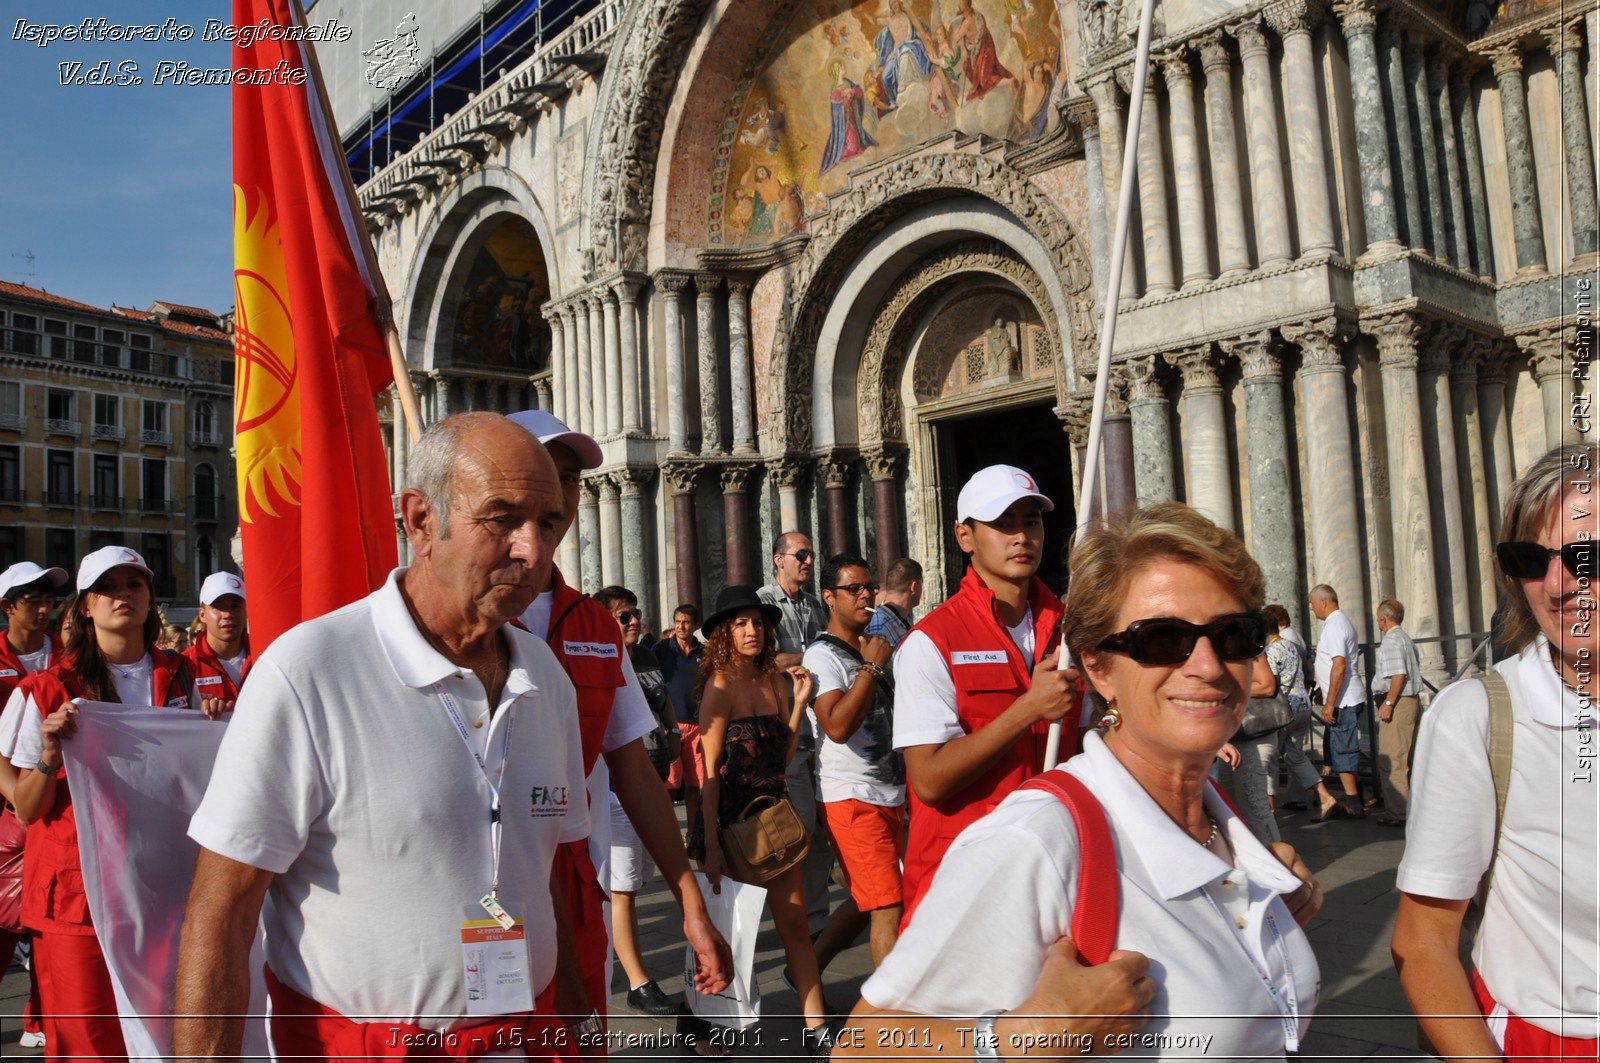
(810, 263)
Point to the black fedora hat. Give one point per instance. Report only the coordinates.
(737, 599)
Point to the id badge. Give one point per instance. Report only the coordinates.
(494, 961)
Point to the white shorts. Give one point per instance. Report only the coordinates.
(630, 864)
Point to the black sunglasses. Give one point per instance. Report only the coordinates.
(628, 616)
(856, 588)
(800, 556)
(1521, 560)
(1166, 640)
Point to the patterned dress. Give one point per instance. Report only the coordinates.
(753, 763)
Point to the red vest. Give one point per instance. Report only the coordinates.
(12, 670)
(52, 878)
(207, 668)
(989, 674)
(587, 643)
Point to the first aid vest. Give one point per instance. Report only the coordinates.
(988, 673)
(53, 900)
(12, 670)
(211, 679)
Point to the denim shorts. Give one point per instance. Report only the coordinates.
(1344, 740)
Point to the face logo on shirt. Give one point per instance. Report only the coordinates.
(548, 801)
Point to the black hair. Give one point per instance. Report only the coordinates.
(690, 610)
(610, 596)
(837, 564)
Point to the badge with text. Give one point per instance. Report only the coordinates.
(590, 649)
(494, 962)
(978, 657)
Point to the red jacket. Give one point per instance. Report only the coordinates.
(211, 679)
(12, 670)
(587, 642)
(989, 674)
(53, 900)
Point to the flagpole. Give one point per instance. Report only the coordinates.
(382, 301)
(1108, 319)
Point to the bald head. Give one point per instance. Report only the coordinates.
(469, 440)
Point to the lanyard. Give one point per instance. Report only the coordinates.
(1285, 1000)
(495, 829)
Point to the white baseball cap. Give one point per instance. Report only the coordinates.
(103, 560)
(25, 572)
(218, 584)
(991, 492)
(548, 428)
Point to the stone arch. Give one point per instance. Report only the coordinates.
(874, 201)
(452, 234)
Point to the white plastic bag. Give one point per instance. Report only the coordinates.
(736, 913)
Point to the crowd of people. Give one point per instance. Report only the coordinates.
(1138, 896)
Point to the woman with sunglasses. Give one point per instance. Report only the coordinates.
(1533, 972)
(111, 655)
(1163, 613)
(748, 731)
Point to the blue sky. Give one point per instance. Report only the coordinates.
(123, 193)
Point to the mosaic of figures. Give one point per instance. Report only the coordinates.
(838, 85)
(498, 323)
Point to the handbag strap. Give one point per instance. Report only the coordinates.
(1501, 723)
(1095, 910)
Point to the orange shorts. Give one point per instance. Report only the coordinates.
(868, 839)
(690, 767)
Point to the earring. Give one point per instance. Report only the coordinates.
(1112, 719)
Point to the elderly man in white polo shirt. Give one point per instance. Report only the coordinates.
(394, 786)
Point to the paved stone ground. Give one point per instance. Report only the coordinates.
(1362, 1015)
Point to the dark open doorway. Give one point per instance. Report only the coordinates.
(1029, 437)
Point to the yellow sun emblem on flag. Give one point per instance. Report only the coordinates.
(266, 392)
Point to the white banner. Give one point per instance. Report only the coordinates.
(137, 775)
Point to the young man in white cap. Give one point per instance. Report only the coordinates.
(977, 680)
(220, 657)
(613, 718)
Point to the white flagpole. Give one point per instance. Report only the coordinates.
(1108, 319)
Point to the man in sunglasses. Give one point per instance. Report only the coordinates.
(1337, 650)
(977, 680)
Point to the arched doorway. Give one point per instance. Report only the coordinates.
(492, 318)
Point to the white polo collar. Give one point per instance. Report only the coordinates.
(1156, 849)
(1546, 698)
(414, 660)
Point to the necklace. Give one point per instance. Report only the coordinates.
(1212, 837)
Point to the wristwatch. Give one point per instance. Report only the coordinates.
(52, 771)
(985, 1042)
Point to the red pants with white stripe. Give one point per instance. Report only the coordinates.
(1525, 1043)
(80, 1009)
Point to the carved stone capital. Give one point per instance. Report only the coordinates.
(883, 463)
(1356, 17)
(1103, 91)
(1439, 349)
(1507, 59)
(1198, 366)
(1251, 40)
(1175, 66)
(631, 480)
(606, 483)
(1294, 16)
(626, 290)
(835, 471)
(682, 476)
(1258, 355)
(1493, 369)
(1563, 38)
(706, 284)
(1321, 342)
(1144, 380)
(1472, 352)
(1214, 52)
(734, 478)
(552, 314)
(671, 282)
(788, 475)
(1082, 111)
(1546, 350)
(1398, 336)
(1124, 79)
(1076, 418)
(589, 491)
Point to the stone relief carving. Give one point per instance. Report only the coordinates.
(1003, 348)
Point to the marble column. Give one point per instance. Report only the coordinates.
(1451, 546)
(681, 477)
(1272, 510)
(737, 540)
(573, 370)
(1261, 137)
(589, 534)
(1082, 111)
(1152, 179)
(1116, 446)
(789, 476)
(1233, 253)
(1455, 186)
(1076, 416)
(586, 382)
(705, 305)
(1313, 207)
(610, 531)
(558, 363)
(597, 360)
(1411, 517)
(1545, 350)
(1109, 109)
(613, 341)
(1496, 421)
(627, 295)
(1210, 478)
(638, 533)
(670, 287)
(1186, 170)
(883, 466)
(1151, 422)
(1327, 435)
(1463, 103)
(1404, 142)
(1358, 20)
(544, 396)
(1526, 226)
(1416, 61)
(835, 473)
(1564, 45)
(1474, 477)
(739, 372)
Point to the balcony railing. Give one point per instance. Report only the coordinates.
(155, 437)
(57, 497)
(157, 505)
(205, 507)
(60, 426)
(16, 422)
(114, 432)
(205, 437)
(97, 501)
(13, 496)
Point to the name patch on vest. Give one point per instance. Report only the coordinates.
(589, 649)
(8, 672)
(209, 681)
(978, 657)
(179, 703)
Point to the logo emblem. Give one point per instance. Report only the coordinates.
(390, 62)
(266, 400)
(1026, 482)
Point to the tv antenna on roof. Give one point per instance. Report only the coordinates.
(30, 259)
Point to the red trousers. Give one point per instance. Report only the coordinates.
(585, 907)
(1526, 1043)
(80, 1010)
(9, 939)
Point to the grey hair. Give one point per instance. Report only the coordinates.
(1529, 503)
(431, 465)
(1390, 609)
(1324, 593)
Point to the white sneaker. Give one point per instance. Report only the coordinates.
(31, 1040)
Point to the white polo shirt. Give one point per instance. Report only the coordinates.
(1338, 639)
(1536, 948)
(343, 774)
(1003, 895)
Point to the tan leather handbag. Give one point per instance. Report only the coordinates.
(767, 840)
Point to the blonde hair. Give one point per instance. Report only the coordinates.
(1105, 560)
(1529, 504)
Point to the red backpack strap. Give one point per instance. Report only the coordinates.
(1095, 911)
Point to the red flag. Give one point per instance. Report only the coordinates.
(314, 500)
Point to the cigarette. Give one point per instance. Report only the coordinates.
(870, 609)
